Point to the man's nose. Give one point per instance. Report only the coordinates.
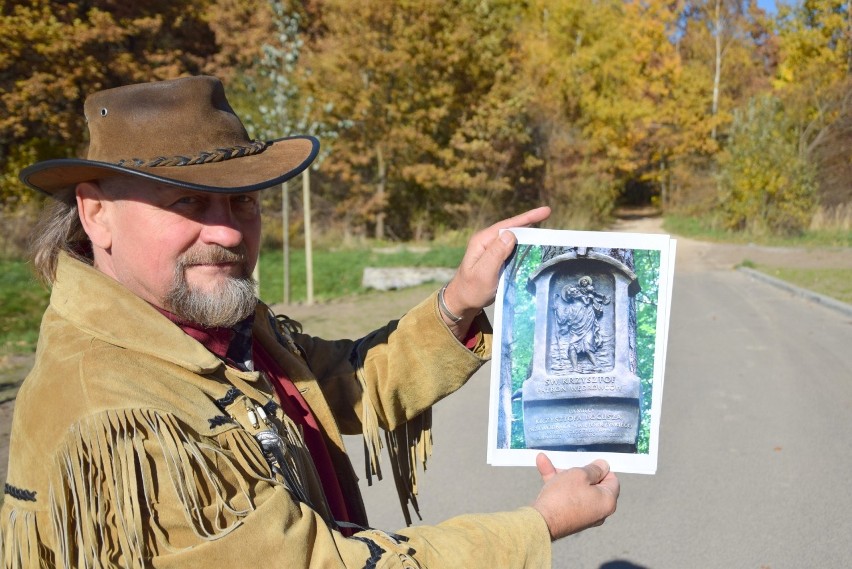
(222, 226)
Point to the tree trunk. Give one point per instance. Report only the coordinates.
(504, 405)
(717, 76)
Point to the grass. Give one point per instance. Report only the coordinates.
(22, 302)
(337, 273)
(704, 229)
(834, 283)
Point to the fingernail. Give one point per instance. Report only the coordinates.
(507, 237)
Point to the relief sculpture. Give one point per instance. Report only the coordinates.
(577, 310)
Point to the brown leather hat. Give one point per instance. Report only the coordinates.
(181, 132)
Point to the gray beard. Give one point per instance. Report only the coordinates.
(230, 302)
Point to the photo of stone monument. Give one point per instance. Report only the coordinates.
(578, 348)
(583, 392)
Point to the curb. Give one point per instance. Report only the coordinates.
(797, 291)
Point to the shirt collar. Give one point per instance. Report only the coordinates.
(232, 345)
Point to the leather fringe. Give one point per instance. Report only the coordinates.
(105, 479)
(409, 444)
(19, 544)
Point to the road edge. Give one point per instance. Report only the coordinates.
(810, 295)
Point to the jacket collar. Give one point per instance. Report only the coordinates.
(121, 318)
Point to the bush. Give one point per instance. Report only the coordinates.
(765, 184)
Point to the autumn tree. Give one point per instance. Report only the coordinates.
(815, 83)
(606, 77)
(767, 185)
(437, 134)
(728, 55)
(53, 54)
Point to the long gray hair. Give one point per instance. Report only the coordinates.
(58, 229)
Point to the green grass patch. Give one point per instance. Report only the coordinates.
(703, 228)
(337, 273)
(22, 302)
(834, 283)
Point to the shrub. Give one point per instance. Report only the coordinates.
(766, 186)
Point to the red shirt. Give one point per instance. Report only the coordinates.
(218, 341)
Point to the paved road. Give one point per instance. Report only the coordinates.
(755, 454)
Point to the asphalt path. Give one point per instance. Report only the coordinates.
(755, 443)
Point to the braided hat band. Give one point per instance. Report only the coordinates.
(256, 147)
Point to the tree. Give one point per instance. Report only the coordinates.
(606, 76)
(766, 185)
(437, 132)
(815, 81)
(731, 41)
(53, 54)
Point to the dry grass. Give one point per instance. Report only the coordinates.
(17, 224)
(837, 218)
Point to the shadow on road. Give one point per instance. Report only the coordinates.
(621, 564)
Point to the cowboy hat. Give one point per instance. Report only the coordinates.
(180, 132)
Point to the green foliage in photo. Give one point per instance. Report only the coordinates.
(647, 268)
(523, 332)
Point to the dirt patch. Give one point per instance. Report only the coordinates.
(355, 316)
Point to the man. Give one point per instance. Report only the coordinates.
(171, 420)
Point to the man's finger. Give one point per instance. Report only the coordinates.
(536, 215)
(545, 467)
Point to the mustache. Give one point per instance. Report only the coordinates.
(213, 255)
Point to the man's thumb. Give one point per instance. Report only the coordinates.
(545, 467)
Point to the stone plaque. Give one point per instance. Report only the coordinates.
(583, 392)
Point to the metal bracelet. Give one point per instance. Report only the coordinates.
(444, 309)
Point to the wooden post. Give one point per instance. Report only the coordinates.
(309, 260)
(285, 230)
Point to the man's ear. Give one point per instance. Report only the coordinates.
(94, 209)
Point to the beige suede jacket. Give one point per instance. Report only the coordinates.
(133, 446)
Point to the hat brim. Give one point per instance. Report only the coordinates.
(283, 159)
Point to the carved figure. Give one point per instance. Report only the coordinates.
(577, 309)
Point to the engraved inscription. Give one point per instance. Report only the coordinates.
(562, 424)
(593, 419)
(578, 384)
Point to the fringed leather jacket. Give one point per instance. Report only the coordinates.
(133, 446)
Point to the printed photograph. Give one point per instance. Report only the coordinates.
(581, 321)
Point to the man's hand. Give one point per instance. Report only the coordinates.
(474, 285)
(575, 499)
